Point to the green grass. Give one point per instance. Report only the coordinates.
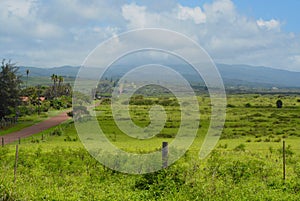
(245, 165)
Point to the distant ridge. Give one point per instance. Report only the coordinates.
(68, 71)
(232, 75)
(258, 75)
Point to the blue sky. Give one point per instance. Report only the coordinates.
(285, 11)
(54, 33)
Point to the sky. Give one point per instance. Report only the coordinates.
(53, 33)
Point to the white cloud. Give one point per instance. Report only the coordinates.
(295, 62)
(220, 10)
(139, 17)
(44, 30)
(20, 20)
(135, 15)
(65, 31)
(269, 25)
(195, 14)
(46, 33)
(20, 8)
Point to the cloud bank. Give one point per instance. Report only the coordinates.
(55, 33)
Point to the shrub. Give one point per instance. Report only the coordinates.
(279, 103)
(277, 139)
(288, 151)
(44, 107)
(69, 139)
(297, 169)
(161, 181)
(240, 147)
(271, 149)
(26, 110)
(164, 135)
(223, 146)
(79, 112)
(106, 101)
(56, 104)
(247, 105)
(33, 140)
(56, 132)
(70, 114)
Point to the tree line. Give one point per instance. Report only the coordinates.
(16, 101)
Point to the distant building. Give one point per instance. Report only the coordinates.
(26, 98)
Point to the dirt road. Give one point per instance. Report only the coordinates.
(48, 123)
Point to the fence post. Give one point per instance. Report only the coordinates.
(19, 140)
(16, 163)
(165, 154)
(2, 142)
(283, 156)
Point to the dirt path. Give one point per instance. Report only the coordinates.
(48, 123)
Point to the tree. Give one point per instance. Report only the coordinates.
(27, 73)
(60, 81)
(54, 78)
(279, 104)
(10, 83)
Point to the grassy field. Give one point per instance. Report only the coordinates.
(245, 165)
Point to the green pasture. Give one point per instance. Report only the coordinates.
(246, 164)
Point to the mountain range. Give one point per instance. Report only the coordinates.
(232, 75)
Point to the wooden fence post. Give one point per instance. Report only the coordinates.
(16, 163)
(165, 154)
(19, 140)
(283, 156)
(2, 142)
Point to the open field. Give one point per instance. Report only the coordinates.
(245, 165)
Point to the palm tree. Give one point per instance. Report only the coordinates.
(54, 78)
(60, 81)
(27, 72)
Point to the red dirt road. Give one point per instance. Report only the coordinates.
(48, 123)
